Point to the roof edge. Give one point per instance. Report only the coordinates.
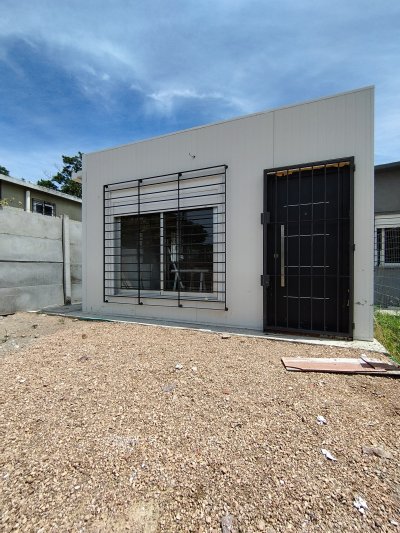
(34, 186)
(241, 117)
(384, 166)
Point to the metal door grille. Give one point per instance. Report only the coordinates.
(165, 240)
(308, 248)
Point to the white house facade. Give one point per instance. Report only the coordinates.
(262, 222)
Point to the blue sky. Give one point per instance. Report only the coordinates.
(86, 75)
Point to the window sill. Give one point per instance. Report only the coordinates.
(166, 295)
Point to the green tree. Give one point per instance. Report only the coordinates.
(62, 181)
(4, 171)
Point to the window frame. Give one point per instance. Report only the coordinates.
(163, 292)
(175, 192)
(384, 223)
(44, 203)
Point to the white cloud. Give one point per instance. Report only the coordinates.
(239, 55)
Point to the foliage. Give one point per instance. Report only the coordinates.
(4, 171)
(47, 183)
(387, 331)
(11, 202)
(62, 180)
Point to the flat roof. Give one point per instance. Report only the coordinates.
(395, 164)
(34, 186)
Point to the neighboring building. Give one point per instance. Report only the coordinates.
(31, 197)
(262, 222)
(387, 235)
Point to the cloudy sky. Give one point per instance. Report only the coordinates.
(86, 74)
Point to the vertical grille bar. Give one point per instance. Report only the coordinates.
(224, 215)
(324, 248)
(338, 275)
(299, 261)
(139, 239)
(104, 243)
(178, 241)
(312, 248)
(287, 233)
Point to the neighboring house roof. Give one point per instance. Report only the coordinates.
(387, 166)
(35, 187)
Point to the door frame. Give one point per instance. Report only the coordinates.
(265, 280)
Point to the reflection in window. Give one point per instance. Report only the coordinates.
(140, 252)
(188, 250)
(392, 245)
(170, 251)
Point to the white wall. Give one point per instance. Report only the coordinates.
(334, 127)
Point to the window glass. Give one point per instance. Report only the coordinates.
(183, 240)
(140, 235)
(188, 250)
(37, 206)
(43, 208)
(49, 209)
(392, 245)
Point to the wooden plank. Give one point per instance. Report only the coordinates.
(339, 365)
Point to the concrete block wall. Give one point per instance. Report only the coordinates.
(32, 260)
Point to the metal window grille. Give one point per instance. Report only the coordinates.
(165, 240)
(387, 261)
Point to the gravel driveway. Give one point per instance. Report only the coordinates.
(102, 431)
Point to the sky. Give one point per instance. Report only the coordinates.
(83, 75)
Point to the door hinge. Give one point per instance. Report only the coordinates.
(353, 325)
(265, 218)
(354, 247)
(264, 280)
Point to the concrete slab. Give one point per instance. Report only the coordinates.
(75, 311)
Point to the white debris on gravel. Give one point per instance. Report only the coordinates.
(321, 420)
(228, 524)
(360, 504)
(178, 366)
(328, 454)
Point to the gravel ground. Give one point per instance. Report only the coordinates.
(101, 431)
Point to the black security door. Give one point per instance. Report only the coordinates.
(308, 248)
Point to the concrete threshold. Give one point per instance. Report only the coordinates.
(75, 311)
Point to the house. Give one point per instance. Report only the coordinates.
(31, 197)
(262, 222)
(387, 235)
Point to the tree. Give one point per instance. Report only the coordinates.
(4, 171)
(62, 181)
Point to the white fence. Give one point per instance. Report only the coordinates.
(40, 260)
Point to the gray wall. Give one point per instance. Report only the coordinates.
(387, 190)
(31, 260)
(387, 202)
(14, 194)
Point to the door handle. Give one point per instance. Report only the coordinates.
(282, 255)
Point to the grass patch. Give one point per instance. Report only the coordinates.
(387, 331)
